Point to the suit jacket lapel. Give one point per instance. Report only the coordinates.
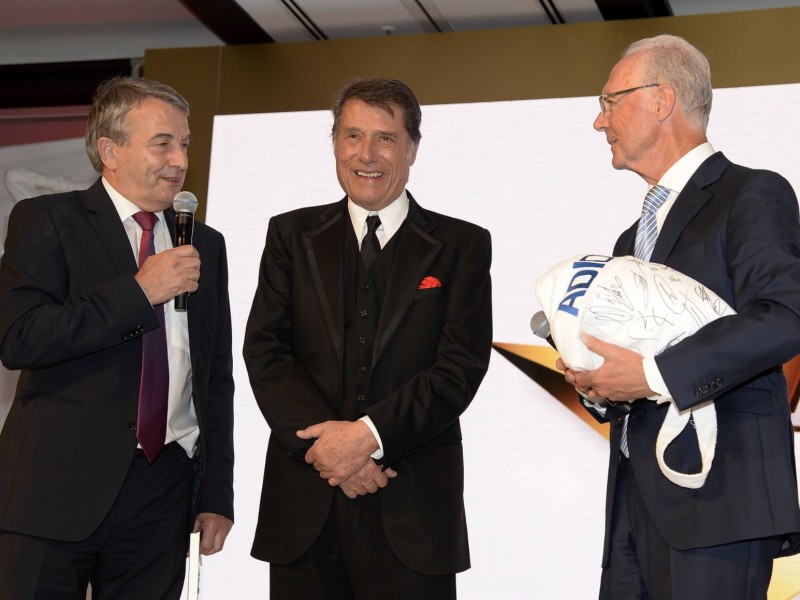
(324, 251)
(104, 218)
(689, 202)
(415, 253)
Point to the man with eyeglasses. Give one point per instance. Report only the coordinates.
(737, 231)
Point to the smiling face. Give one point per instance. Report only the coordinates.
(149, 167)
(630, 121)
(374, 154)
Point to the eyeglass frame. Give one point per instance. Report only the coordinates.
(604, 97)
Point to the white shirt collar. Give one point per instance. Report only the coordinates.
(392, 217)
(125, 208)
(679, 174)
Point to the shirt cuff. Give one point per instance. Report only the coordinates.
(654, 381)
(378, 454)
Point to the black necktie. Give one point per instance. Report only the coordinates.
(370, 246)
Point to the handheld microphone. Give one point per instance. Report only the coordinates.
(540, 327)
(185, 203)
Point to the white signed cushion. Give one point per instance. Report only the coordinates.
(646, 307)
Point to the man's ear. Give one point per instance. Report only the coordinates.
(665, 101)
(108, 155)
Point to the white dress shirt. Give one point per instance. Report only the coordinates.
(181, 417)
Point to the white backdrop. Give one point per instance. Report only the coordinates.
(539, 178)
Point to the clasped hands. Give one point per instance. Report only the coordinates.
(619, 379)
(341, 454)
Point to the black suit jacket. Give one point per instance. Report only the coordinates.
(737, 231)
(71, 317)
(431, 352)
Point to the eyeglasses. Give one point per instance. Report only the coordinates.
(605, 105)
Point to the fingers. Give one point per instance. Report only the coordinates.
(368, 480)
(170, 273)
(314, 431)
(214, 530)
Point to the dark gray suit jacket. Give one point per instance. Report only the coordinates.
(71, 317)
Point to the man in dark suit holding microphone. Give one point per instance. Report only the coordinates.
(369, 335)
(736, 231)
(119, 441)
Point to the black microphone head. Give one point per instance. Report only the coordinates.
(184, 202)
(540, 325)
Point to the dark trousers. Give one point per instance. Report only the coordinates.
(137, 553)
(352, 560)
(642, 566)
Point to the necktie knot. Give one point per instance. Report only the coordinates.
(146, 220)
(657, 195)
(373, 222)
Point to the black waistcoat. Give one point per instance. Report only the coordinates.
(363, 299)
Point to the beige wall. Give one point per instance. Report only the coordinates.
(745, 48)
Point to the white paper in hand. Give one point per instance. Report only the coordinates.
(195, 567)
(645, 307)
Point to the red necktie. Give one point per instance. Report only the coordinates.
(154, 387)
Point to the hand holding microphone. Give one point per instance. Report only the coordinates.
(169, 274)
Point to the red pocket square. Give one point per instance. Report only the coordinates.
(430, 282)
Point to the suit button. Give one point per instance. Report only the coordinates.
(361, 398)
(362, 340)
(365, 285)
(618, 422)
(361, 370)
(132, 425)
(363, 312)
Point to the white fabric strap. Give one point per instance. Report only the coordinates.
(705, 423)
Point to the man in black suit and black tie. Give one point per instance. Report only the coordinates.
(119, 441)
(369, 335)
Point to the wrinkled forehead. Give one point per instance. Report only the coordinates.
(625, 74)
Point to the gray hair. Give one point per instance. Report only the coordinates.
(671, 59)
(113, 100)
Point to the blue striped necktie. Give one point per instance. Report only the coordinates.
(646, 237)
(647, 233)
